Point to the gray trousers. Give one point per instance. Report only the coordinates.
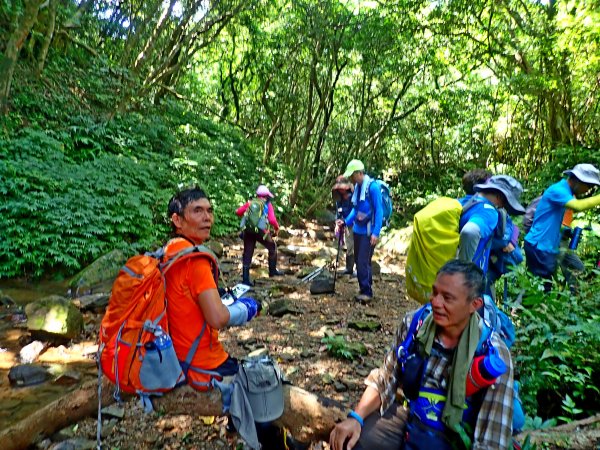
(384, 432)
(349, 238)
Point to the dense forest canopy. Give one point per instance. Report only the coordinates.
(108, 106)
(180, 91)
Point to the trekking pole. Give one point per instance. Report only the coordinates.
(313, 274)
(337, 258)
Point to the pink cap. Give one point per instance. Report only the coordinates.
(263, 191)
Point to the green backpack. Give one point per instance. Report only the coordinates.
(255, 217)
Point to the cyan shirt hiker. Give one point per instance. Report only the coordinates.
(545, 229)
(365, 206)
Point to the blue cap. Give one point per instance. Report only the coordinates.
(494, 365)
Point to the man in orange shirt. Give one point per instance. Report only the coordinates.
(195, 310)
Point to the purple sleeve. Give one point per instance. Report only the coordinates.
(514, 238)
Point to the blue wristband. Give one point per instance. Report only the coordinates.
(354, 415)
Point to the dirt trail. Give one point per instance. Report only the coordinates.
(293, 339)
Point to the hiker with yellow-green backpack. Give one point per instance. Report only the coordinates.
(257, 214)
(464, 228)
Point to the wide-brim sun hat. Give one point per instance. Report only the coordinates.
(342, 184)
(511, 189)
(586, 173)
(354, 166)
(263, 191)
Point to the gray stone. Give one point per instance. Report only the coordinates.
(362, 372)
(307, 353)
(54, 315)
(115, 411)
(74, 444)
(108, 428)
(10, 403)
(288, 250)
(92, 301)
(98, 276)
(31, 351)
(375, 268)
(67, 379)
(321, 235)
(364, 325)
(27, 375)
(325, 217)
(44, 444)
(284, 234)
(6, 300)
(279, 308)
(340, 387)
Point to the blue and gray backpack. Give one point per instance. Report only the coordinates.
(413, 364)
(386, 200)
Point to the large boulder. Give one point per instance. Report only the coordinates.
(98, 276)
(54, 315)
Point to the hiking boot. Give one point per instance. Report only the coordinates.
(273, 272)
(363, 298)
(246, 276)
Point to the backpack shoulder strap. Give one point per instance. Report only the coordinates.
(191, 251)
(470, 203)
(415, 324)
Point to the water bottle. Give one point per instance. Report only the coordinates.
(484, 371)
(162, 340)
(575, 238)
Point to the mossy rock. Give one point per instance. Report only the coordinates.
(99, 275)
(54, 315)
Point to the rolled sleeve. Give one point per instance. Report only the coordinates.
(493, 429)
(387, 378)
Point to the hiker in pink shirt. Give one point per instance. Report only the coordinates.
(257, 214)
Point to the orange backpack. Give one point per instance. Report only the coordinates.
(135, 350)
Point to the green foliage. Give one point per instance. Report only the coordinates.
(339, 347)
(556, 345)
(58, 213)
(77, 184)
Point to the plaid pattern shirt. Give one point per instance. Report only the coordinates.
(493, 429)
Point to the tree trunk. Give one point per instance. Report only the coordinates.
(15, 42)
(48, 38)
(308, 417)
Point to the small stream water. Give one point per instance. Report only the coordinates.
(17, 403)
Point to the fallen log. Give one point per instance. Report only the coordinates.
(308, 417)
(580, 434)
(70, 408)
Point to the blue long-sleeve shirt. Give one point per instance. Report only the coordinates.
(371, 207)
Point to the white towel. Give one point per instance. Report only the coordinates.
(363, 190)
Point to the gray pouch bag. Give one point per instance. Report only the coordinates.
(263, 382)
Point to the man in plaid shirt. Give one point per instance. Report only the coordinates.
(381, 421)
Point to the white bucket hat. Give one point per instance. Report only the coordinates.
(586, 173)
